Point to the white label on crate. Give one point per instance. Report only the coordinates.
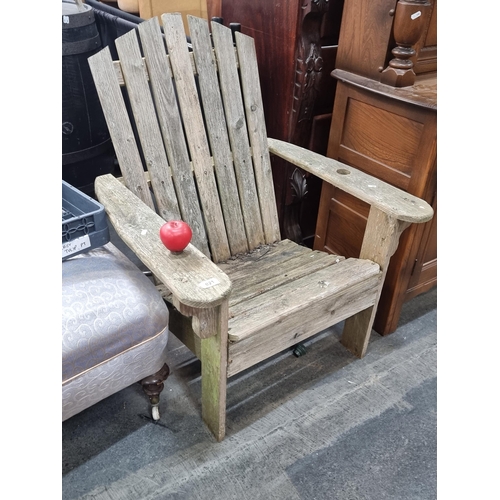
(416, 15)
(71, 247)
(208, 283)
(66, 19)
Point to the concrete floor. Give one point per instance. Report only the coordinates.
(322, 426)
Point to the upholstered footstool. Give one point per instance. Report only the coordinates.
(114, 330)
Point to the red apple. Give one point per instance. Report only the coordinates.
(176, 235)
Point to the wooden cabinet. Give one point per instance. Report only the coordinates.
(296, 44)
(388, 131)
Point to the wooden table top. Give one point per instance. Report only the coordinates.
(422, 93)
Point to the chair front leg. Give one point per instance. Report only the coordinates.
(211, 326)
(380, 241)
(214, 373)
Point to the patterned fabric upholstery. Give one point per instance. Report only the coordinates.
(114, 327)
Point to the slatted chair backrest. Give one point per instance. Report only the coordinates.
(200, 125)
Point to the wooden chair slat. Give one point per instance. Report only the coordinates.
(274, 265)
(196, 135)
(266, 276)
(254, 109)
(217, 133)
(148, 129)
(119, 126)
(269, 254)
(274, 329)
(254, 314)
(161, 79)
(238, 134)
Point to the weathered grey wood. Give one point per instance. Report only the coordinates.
(191, 277)
(211, 348)
(238, 133)
(325, 297)
(254, 109)
(254, 314)
(387, 198)
(170, 122)
(268, 274)
(196, 136)
(181, 326)
(119, 74)
(272, 254)
(379, 244)
(206, 67)
(120, 129)
(148, 129)
(214, 374)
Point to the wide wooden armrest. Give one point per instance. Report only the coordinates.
(193, 279)
(389, 199)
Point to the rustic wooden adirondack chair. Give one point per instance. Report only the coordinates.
(238, 294)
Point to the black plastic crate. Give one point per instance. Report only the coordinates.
(84, 223)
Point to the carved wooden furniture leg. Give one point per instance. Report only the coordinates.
(409, 24)
(379, 244)
(152, 386)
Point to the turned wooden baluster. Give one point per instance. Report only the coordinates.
(409, 24)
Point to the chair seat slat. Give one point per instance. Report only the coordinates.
(274, 305)
(269, 273)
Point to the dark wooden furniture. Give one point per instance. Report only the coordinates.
(296, 43)
(387, 130)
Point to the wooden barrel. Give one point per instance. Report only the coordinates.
(86, 144)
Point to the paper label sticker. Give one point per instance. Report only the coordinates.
(209, 283)
(71, 247)
(416, 15)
